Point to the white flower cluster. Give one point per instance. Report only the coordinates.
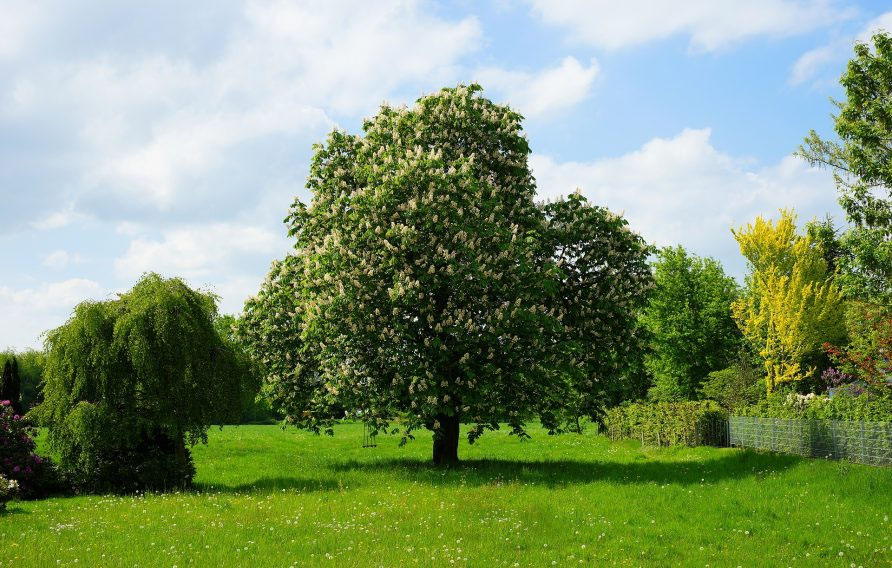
(9, 488)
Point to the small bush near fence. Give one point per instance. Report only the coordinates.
(669, 423)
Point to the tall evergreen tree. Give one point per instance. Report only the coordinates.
(11, 388)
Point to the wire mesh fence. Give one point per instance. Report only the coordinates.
(857, 441)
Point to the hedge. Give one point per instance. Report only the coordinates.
(871, 407)
(692, 423)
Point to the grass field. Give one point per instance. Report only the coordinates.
(268, 497)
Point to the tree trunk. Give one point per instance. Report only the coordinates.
(180, 454)
(446, 440)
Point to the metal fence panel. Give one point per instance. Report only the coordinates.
(862, 442)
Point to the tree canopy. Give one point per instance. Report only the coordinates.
(689, 320)
(11, 384)
(141, 373)
(30, 363)
(427, 286)
(861, 160)
(790, 307)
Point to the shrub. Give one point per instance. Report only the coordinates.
(668, 423)
(736, 386)
(19, 462)
(30, 364)
(9, 488)
(11, 384)
(149, 463)
(871, 406)
(868, 357)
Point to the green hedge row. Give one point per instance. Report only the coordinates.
(693, 423)
(871, 407)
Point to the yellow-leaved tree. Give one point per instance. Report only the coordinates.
(791, 306)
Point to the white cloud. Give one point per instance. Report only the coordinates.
(684, 190)
(58, 219)
(18, 23)
(61, 258)
(198, 252)
(155, 130)
(185, 146)
(229, 259)
(186, 132)
(710, 24)
(810, 64)
(28, 312)
(551, 89)
(350, 55)
(881, 22)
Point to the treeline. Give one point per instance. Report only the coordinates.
(22, 377)
(22, 380)
(814, 315)
(794, 326)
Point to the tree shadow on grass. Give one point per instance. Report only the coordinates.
(557, 473)
(270, 485)
(11, 509)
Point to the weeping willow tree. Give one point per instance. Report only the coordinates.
(130, 382)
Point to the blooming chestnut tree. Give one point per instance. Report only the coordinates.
(427, 288)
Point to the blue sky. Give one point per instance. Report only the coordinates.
(172, 137)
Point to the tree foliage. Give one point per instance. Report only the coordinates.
(689, 320)
(130, 381)
(254, 409)
(600, 287)
(868, 355)
(790, 307)
(739, 385)
(30, 364)
(11, 384)
(861, 161)
(426, 285)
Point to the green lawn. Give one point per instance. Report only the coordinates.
(268, 497)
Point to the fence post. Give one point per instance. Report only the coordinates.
(863, 456)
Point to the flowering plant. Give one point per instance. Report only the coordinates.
(427, 285)
(868, 357)
(18, 460)
(801, 402)
(8, 489)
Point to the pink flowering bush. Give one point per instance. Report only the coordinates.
(18, 460)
